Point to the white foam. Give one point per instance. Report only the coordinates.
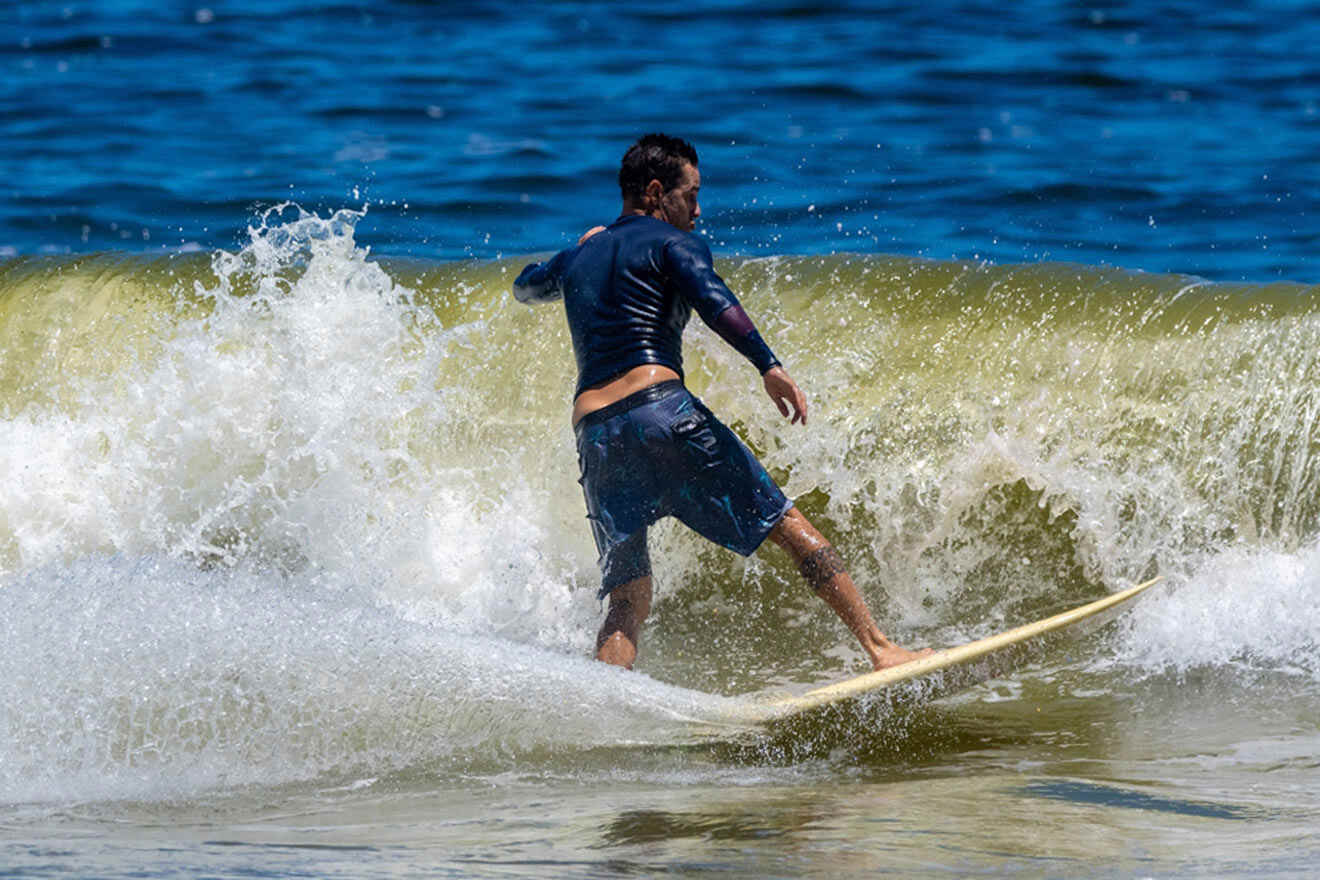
(301, 422)
(304, 528)
(151, 678)
(281, 544)
(1246, 608)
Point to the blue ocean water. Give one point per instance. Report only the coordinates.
(1171, 136)
(294, 579)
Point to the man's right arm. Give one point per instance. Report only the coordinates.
(540, 282)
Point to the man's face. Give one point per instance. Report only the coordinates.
(678, 207)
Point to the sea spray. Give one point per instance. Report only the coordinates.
(290, 415)
(293, 511)
(268, 537)
(1242, 610)
(151, 678)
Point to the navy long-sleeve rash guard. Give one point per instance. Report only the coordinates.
(628, 292)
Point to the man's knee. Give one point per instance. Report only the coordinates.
(795, 533)
(626, 563)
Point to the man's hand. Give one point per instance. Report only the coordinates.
(590, 232)
(785, 393)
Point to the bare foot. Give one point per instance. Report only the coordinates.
(884, 653)
(893, 655)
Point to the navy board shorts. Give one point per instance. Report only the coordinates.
(660, 452)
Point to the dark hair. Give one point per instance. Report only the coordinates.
(654, 157)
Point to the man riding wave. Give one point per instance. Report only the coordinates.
(647, 448)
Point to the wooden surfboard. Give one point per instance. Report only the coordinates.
(956, 668)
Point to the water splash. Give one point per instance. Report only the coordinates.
(1247, 609)
(151, 678)
(295, 479)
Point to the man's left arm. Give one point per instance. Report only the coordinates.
(692, 266)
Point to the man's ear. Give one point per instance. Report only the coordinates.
(654, 191)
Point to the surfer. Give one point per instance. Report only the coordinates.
(647, 448)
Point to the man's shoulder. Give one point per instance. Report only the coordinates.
(645, 226)
(660, 235)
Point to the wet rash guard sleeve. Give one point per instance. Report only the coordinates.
(541, 282)
(690, 264)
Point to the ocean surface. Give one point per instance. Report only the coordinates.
(294, 575)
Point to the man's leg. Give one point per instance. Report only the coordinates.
(629, 604)
(827, 575)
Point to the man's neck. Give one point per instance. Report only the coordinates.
(630, 210)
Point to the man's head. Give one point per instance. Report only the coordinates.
(659, 177)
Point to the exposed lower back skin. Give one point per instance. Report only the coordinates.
(634, 380)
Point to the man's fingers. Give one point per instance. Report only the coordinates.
(799, 407)
(788, 397)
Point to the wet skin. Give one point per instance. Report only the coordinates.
(630, 602)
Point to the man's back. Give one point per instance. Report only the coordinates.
(621, 310)
(628, 293)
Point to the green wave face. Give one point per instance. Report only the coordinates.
(294, 511)
(985, 442)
